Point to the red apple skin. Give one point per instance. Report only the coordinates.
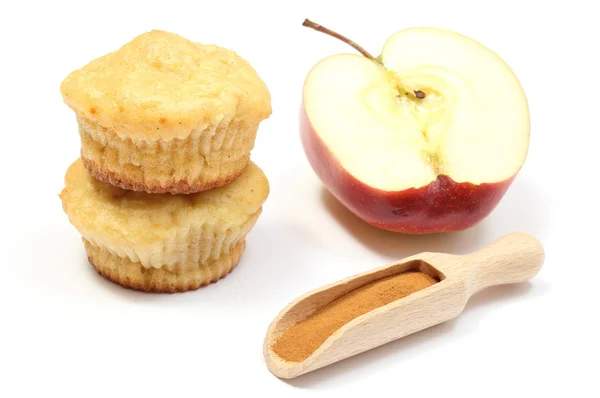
(442, 206)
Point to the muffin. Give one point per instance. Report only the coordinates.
(163, 242)
(163, 114)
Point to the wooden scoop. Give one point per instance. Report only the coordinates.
(514, 258)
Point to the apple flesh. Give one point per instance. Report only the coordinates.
(416, 165)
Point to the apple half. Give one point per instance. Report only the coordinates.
(428, 139)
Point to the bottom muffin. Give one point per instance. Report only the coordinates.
(163, 242)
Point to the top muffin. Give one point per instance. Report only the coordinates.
(163, 85)
(164, 114)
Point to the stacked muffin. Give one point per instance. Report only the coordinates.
(164, 192)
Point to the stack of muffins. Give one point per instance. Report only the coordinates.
(164, 192)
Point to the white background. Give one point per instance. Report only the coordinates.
(66, 330)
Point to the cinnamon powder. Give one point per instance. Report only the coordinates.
(303, 338)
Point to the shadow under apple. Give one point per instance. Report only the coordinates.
(513, 213)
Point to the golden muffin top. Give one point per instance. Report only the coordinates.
(161, 85)
(120, 216)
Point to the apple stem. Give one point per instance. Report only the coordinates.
(310, 24)
(319, 28)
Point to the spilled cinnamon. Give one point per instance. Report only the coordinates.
(303, 338)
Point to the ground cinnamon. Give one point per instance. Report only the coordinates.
(303, 338)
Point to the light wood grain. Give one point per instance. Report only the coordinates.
(514, 258)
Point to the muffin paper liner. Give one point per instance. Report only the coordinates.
(133, 275)
(206, 159)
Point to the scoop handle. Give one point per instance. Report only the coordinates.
(514, 258)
